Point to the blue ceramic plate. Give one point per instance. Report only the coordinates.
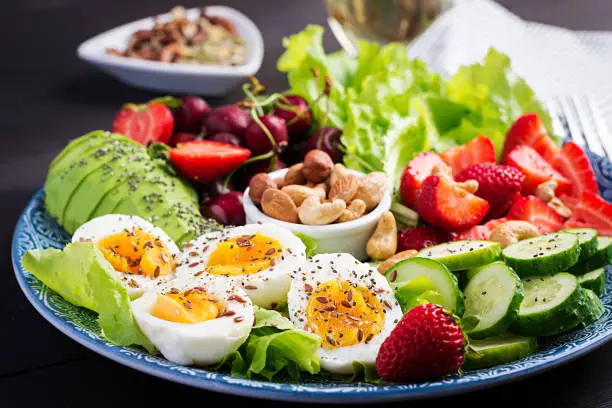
(36, 229)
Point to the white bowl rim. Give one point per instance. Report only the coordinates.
(252, 209)
(87, 49)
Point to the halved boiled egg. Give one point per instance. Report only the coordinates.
(348, 304)
(142, 254)
(196, 322)
(258, 257)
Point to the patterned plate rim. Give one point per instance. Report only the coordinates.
(327, 393)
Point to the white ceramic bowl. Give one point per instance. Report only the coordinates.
(350, 237)
(207, 80)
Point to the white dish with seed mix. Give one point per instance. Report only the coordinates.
(173, 77)
(350, 237)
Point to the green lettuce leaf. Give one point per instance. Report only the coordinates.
(309, 242)
(82, 276)
(275, 346)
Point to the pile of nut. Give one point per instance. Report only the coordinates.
(317, 192)
(208, 40)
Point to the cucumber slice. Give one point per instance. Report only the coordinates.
(443, 280)
(593, 308)
(601, 257)
(553, 304)
(594, 280)
(587, 239)
(543, 255)
(498, 350)
(492, 300)
(458, 255)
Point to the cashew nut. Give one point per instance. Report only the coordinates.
(355, 210)
(445, 172)
(338, 171)
(546, 192)
(511, 232)
(372, 189)
(313, 212)
(383, 243)
(299, 193)
(400, 256)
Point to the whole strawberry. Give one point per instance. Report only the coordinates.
(496, 183)
(421, 237)
(426, 343)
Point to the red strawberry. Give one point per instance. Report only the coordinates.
(496, 183)
(426, 343)
(478, 150)
(482, 232)
(573, 163)
(444, 205)
(421, 237)
(148, 123)
(592, 211)
(537, 212)
(535, 169)
(569, 201)
(529, 130)
(205, 160)
(416, 171)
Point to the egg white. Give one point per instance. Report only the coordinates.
(111, 224)
(267, 288)
(326, 267)
(198, 344)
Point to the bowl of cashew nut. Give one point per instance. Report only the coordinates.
(338, 207)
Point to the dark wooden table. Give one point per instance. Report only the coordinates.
(49, 97)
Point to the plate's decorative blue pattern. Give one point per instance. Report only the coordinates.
(36, 229)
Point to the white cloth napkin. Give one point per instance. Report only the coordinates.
(553, 60)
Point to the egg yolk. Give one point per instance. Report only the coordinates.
(344, 315)
(244, 255)
(137, 252)
(191, 306)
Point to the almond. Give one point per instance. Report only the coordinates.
(344, 188)
(279, 205)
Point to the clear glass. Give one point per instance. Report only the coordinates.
(381, 20)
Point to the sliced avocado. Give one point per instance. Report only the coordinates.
(164, 201)
(94, 187)
(76, 147)
(69, 181)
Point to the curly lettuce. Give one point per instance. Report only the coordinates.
(391, 107)
(82, 276)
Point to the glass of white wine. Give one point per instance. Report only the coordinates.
(382, 21)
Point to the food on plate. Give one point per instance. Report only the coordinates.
(226, 209)
(296, 112)
(81, 274)
(206, 161)
(142, 255)
(102, 173)
(145, 123)
(601, 257)
(594, 280)
(209, 40)
(383, 242)
(498, 350)
(427, 343)
(512, 231)
(198, 322)
(529, 130)
(258, 257)
(461, 255)
(477, 151)
(317, 192)
(535, 169)
(416, 171)
(190, 114)
(348, 304)
(535, 211)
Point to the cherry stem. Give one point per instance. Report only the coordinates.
(263, 128)
(246, 88)
(250, 160)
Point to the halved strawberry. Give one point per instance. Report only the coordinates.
(529, 130)
(482, 232)
(444, 205)
(537, 212)
(148, 123)
(573, 163)
(592, 211)
(205, 160)
(535, 169)
(416, 171)
(477, 150)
